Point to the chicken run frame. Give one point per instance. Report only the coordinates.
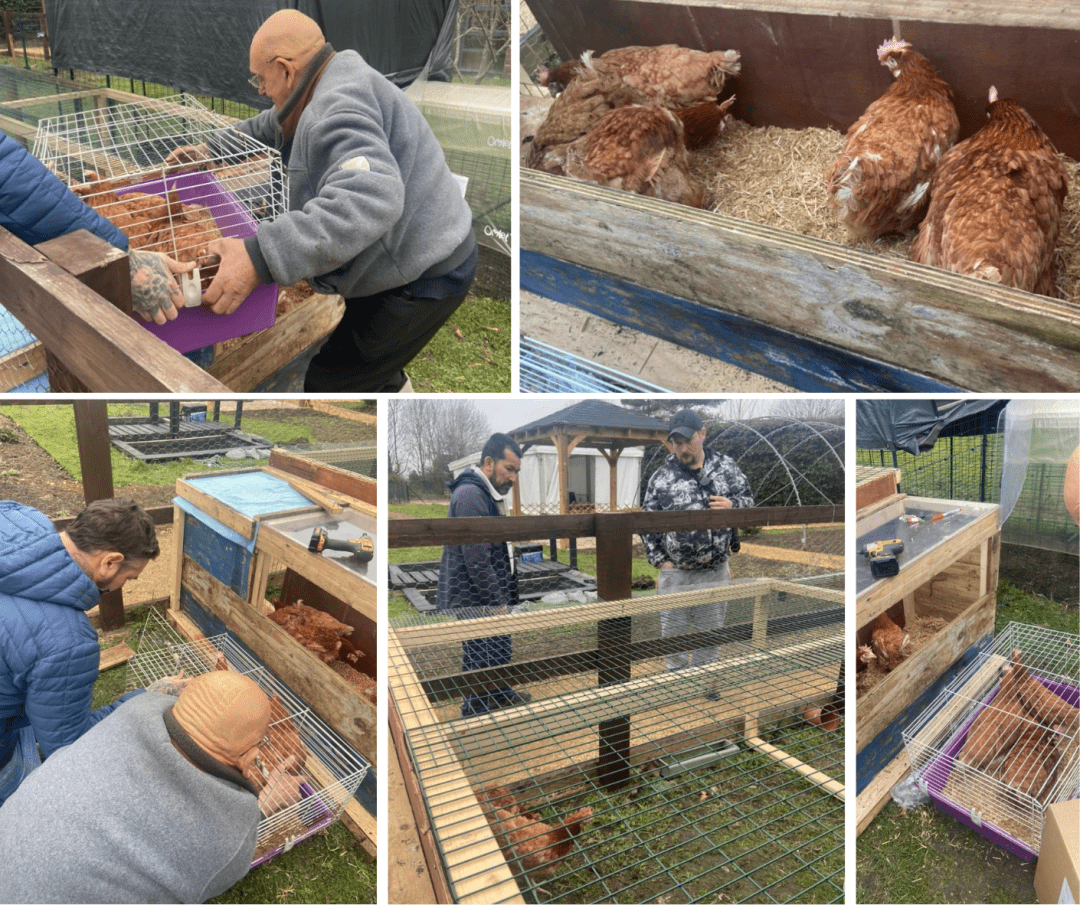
(690, 797)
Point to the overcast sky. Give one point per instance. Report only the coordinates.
(506, 415)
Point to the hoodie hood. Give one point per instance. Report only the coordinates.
(35, 564)
(473, 475)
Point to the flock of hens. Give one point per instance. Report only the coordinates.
(1019, 738)
(989, 206)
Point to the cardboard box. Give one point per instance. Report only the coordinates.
(1056, 876)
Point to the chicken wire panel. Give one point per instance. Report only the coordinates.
(993, 750)
(546, 369)
(334, 770)
(705, 813)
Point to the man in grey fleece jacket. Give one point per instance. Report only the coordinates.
(147, 806)
(374, 213)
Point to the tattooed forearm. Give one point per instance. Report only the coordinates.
(154, 293)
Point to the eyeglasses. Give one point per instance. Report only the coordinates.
(257, 81)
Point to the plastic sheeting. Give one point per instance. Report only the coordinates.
(201, 46)
(914, 425)
(1040, 435)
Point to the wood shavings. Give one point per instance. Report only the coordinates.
(776, 177)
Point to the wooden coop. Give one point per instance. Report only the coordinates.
(807, 311)
(56, 329)
(621, 780)
(944, 596)
(239, 533)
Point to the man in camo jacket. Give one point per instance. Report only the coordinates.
(693, 477)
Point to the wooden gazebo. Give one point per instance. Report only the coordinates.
(589, 424)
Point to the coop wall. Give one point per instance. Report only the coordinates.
(214, 581)
(961, 588)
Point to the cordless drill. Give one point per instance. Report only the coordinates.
(882, 555)
(362, 548)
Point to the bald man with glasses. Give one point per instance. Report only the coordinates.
(374, 213)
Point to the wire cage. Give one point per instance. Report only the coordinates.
(1002, 742)
(114, 158)
(609, 775)
(334, 770)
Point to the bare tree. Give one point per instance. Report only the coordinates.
(421, 431)
(801, 408)
(485, 23)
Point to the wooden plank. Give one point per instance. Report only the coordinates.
(782, 554)
(179, 517)
(493, 529)
(405, 688)
(483, 627)
(875, 796)
(822, 780)
(105, 349)
(115, 656)
(244, 363)
(320, 405)
(21, 366)
(332, 577)
(336, 479)
(873, 491)
(969, 335)
(352, 716)
(229, 517)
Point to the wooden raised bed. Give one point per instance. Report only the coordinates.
(949, 570)
(813, 314)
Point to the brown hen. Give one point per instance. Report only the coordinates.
(533, 846)
(890, 643)
(880, 181)
(319, 632)
(556, 80)
(996, 202)
(637, 149)
(186, 238)
(1000, 723)
(667, 76)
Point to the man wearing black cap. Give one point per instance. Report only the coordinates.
(693, 477)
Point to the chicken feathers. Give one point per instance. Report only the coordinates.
(880, 181)
(997, 198)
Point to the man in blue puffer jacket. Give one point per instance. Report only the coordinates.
(49, 652)
(36, 206)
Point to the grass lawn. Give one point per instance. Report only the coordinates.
(469, 354)
(327, 867)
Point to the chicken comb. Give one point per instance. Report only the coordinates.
(893, 45)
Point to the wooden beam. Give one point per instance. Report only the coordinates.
(818, 778)
(825, 299)
(336, 479)
(115, 656)
(103, 348)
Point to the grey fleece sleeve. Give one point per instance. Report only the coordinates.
(359, 196)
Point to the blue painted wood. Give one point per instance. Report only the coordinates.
(227, 561)
(801, 363)
(210, 625)
(884, 748)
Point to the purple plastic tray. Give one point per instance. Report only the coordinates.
(195, 328)
(937, 774)
(320, 820)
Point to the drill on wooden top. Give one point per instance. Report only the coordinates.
(882, 555)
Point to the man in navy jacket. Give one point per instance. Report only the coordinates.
(479, 579)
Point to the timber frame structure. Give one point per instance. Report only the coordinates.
(429, 748)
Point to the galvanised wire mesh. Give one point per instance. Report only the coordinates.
(1002, 742)
(586, 753)
(334, 770)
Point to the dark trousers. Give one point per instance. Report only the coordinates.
(482, 653)
(376, 338)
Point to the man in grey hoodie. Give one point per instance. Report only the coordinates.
(374, 213)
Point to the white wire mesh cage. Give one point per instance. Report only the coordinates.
(1002, 742)
(334, 770)
(115, 157)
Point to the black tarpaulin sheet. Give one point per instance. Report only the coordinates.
(914, 425)
(201, 46)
